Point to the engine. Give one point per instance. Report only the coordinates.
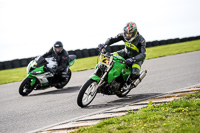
(110, 88)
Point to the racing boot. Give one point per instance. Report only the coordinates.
(132, 83)
(139, 79)
(64, 81)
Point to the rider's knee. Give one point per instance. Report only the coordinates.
(64, 73)
(135, 73)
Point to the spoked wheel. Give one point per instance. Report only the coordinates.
(87, 93)
(25, 87)
(123, 94)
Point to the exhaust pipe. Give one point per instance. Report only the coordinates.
(142, 75)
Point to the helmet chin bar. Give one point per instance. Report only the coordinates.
(58, 50)
(131, 39)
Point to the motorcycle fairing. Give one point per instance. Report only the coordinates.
(117, 70)
(71, 62)
(33, 74)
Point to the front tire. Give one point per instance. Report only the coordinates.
(25, 87)
(87, 93)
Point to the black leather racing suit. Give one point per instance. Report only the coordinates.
(62, 60)
(133, 48)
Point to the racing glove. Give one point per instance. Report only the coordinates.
(101, 46)
(130, 61)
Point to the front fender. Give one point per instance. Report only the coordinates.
(33, 79)
(95, 77)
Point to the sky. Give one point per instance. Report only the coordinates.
(29, 28)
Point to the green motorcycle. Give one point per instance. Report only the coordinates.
(111, 77)
(40, 75)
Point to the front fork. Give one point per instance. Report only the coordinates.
(100, 79)
(33, 80)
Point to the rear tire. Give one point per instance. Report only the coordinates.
(25, 87)
(87, 93)
(69, 73)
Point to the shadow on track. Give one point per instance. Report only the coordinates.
(129, 99)
(58, 91)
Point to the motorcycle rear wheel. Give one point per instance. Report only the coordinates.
(87, 93)
(25, 87)
(69, 73)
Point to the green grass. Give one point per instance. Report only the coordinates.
(18, 74)
(179, 116)
(173, 49)
(12, 75)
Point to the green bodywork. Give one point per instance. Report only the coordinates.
(95, 77)
(38, 70)
(71, 62)
(117, 69)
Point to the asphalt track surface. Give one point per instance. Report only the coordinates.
(42, 108)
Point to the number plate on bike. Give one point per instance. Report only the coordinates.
(104, 59)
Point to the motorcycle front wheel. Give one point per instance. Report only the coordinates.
(25, 87)
(87, 93)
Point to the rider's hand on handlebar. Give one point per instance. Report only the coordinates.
(101, 46)
(129, 61)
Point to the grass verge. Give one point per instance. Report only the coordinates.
(18, 74)
(179, 116)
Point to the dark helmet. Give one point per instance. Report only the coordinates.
(130, 28)
(58, 47)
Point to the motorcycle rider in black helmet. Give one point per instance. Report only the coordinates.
(135, 48)
(62, 58)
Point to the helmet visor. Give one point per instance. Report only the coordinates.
(58, 50)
